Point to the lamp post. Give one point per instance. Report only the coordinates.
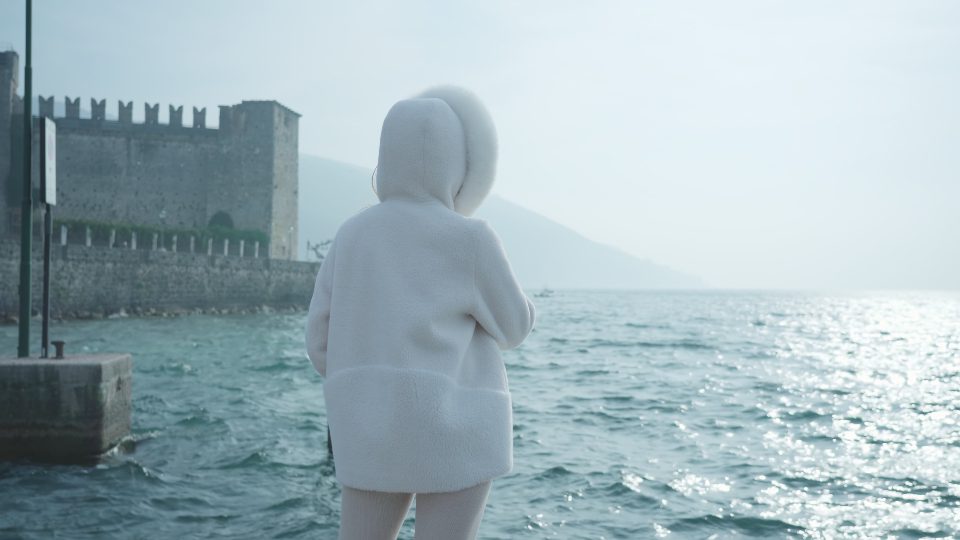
(26, 211)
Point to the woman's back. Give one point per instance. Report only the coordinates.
(404, 287)
(411, 309)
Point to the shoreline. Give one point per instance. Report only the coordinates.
(83, 315)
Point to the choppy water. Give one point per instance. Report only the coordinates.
(637, 415)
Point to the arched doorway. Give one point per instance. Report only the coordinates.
(221, 219)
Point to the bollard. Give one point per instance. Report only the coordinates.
(64, 410)
(59, 346)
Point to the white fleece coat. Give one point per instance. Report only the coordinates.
(411, 310)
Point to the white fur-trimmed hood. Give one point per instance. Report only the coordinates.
(442, 143)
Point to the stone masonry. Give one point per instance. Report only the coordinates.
(111, 169)
(98, 281)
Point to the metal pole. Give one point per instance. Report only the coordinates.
(26, 212)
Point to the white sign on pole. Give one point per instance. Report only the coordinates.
(48, 155)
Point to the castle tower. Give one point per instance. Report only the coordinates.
(9, 106)
(261, 191)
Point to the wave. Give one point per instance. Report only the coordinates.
(596, 343)
(558, 471)
(746, 525)
(249, 461)
(648, 326)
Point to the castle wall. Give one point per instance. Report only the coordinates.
(96, 280)
(164, 175)
(117, 171)
(107, 171)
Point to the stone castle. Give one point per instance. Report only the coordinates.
(242, 174)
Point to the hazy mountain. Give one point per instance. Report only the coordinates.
(543, 253)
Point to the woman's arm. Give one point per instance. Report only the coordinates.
(318, 316)
(500, 306)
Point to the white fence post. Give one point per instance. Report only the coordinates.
(133, 239)
(88, 237)
(226, 245)
(63, 235)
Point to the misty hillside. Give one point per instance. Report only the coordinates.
(543, 253)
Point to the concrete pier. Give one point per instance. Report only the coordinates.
(64, 410)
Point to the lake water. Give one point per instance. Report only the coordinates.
(637, 415)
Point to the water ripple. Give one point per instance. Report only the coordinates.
(637, 414)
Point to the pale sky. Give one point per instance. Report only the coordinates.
(761, 144)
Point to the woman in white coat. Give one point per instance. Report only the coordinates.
(412, 307)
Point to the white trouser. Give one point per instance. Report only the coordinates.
(377, 515)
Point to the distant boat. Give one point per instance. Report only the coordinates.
(544, 293)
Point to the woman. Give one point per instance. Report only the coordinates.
(411, 308)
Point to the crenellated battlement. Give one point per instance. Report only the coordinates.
(151, 113)
(125, 112)
(176, 116)
(98, 109)
(199, 117)
(72, 107)
(232, 117)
